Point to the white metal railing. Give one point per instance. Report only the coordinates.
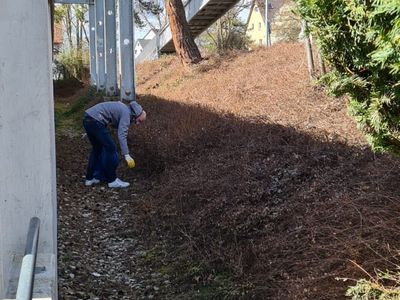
(27, 273)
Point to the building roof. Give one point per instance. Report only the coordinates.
(58, 33)
(274, 6)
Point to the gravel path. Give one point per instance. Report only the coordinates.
(100, 257)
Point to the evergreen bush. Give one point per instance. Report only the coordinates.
(360, 39)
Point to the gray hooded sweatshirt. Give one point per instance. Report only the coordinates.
(119, 116)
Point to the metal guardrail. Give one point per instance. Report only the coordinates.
(27, 274)
(74, 1)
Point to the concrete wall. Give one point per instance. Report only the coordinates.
(27, 152)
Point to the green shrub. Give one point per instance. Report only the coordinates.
(361, 41)
(386, 286)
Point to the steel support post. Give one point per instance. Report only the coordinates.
(92, 43)
(111, 53)
(126, 50)
(100, 58)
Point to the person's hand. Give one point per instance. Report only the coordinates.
(141, 118)
(130, 161)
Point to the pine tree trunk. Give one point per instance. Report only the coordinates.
(220, 38)
(185, 46)
(69, 27)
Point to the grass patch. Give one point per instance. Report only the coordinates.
(219, 286)
(69, 115)
(203, 283)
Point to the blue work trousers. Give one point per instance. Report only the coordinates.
(103, 160)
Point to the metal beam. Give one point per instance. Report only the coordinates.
(111, 41)
(74, 1)
(126, 50)
(101, 76)
(92, 44)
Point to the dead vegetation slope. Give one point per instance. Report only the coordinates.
(257, 174)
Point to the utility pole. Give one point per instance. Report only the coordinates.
(308, 45)
(267, 27)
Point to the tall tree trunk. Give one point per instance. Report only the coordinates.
(69, 27)
(185, 46)
(84, 31)
(220, 37)
(77, 35)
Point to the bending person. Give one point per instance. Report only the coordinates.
(104, 154)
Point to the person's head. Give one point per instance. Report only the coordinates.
(141, 118)
(136, 108)
(137, 112)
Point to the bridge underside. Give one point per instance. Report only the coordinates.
(205, 17)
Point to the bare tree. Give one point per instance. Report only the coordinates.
(229, 32)
(150, 13)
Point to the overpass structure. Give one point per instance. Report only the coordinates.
(103, 46)
(200, 15)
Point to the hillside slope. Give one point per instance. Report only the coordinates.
(251, 184)
(271, 85)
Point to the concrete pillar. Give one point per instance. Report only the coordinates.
(101, 76)
(92, 43)
(111, 53)
(27, 155)
(126, 50)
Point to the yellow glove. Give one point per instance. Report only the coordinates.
(130, 161)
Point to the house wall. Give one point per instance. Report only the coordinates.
(256, 30)
(138, 49)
